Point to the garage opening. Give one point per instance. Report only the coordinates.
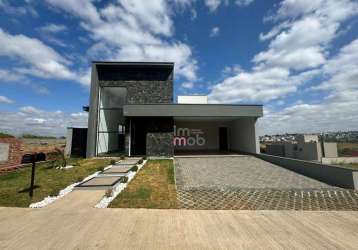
(214, 135)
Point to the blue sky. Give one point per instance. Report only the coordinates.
(297, 57)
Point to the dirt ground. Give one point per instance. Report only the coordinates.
(39, 145)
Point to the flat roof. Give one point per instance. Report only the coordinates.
(133, 63)
(192, 110)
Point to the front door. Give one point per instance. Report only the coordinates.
(223, 139)
(138, 137)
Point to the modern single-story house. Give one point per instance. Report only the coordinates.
(132, 110)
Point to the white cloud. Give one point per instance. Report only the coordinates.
(79, 114)
(42, 59)
(82, 8)
(244, 2)
(9, 76)
(231, 70)
(299, 42)
(37, 121)
(339, 109)
(6, 100)
(214, 31)
(55, 41)
(37, 59)
(53, 28)
(252, 86)
(344, 70)
(10, 9)
(30, 110)
(213, 4)
(187, 85)
(40, 89)
(299, 51)
(133, 30)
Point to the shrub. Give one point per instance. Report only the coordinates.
(140, 161)
(108, 192)
(144, 157)
(31, 136)
(75, 164)
(52, 164)
(101, 168)
(54, 193)
(122, 157)
(113, 162)
(124, 179)
(79, 179)
(62, 157)
(6, 135)
(134, 168)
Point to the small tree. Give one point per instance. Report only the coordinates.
(62, 160)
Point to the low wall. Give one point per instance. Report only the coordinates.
(13, 155)
(337, 176)
(338, 160)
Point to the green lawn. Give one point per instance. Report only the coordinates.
(152, 187)
(48, 181)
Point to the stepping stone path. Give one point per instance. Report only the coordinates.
(110, 176)
(117, 170)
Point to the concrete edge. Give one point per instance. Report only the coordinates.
(333, 175)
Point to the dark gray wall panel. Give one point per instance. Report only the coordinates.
(160, 144)
(93, 115)
(194, 110)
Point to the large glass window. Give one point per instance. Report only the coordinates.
(110, 119)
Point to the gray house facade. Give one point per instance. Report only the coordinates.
(132, 111)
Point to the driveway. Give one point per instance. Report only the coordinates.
(90, 228)
(246, 182)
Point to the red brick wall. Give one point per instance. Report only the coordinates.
(15, 154)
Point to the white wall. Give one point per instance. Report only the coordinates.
(339, 160)
(243, 136)
(330, 149)
(193, 99)
(210, 131)
(4, 152)
(68, 141)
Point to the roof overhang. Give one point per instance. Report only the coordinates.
(133, 64)
(192, 110)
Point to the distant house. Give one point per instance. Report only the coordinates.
(132, 110)
(307, 147)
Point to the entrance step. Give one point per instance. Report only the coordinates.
(118, 170)
(100, 182)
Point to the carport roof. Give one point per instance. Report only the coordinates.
(192, 110)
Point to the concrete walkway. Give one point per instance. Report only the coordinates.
(77, 200)
(90, 228)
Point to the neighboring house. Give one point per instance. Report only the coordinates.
(132, 108)
(307, 147)
(76, 141)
